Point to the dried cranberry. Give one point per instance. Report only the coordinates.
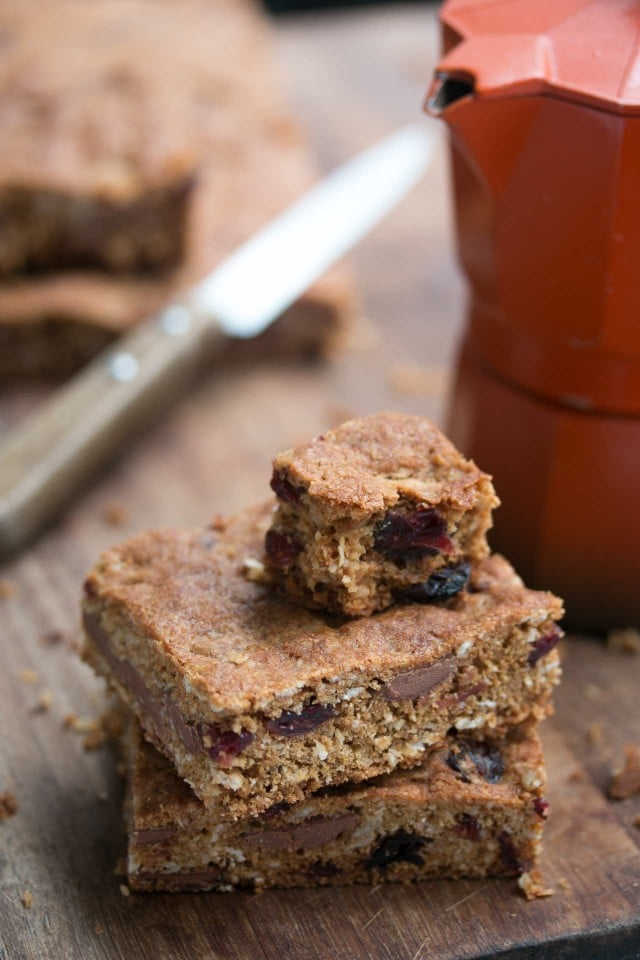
(290, 724)
(542, 646)
(223, 745)
(281, 549)
(398, 847)
(468, 827)
(284, 489)
(509, 854)
(441, 585)
(541, 807)
(410, 535)
(471, 758)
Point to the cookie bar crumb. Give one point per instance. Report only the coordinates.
(564, 884)
(44, 702)
(594, 734)
(28, 676)
(624, 641)
(115, 515)
(532, 885)
(98, 928)
(7, 590)
(52, 638)
(26, 898)
(625, 779)
(8, 805)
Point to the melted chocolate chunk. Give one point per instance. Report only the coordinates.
(290, 724)
(441, 585)
(509, 854)
(419, 683)
(316, 832)
(398, 847)
(468, 759)
(408, 536)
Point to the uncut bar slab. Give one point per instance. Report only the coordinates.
(258, 701)
(237, 136)
(378, 507)
(470, 809)
(101, 141)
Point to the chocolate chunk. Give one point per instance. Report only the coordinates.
(396, 848)
(420, 682)
(143, 837)
(317, 832)
(509, 854)
(290, 724)
(163, 718)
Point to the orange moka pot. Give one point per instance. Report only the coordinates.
(542, 100)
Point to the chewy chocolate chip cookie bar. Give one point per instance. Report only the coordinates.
(258, 701)
(381, 509)
(471, 809)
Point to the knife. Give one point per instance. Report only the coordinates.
(44, 461)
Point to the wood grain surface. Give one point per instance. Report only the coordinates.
(352, 77)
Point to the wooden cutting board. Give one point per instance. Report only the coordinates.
(353, 77)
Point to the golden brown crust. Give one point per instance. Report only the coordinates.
(238, 644)
(366, 465)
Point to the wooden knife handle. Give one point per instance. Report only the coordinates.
(62, 444)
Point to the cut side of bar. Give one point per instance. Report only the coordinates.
(471, 809)
(383, 508)
(257, 701)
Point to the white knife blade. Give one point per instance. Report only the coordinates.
(288, 255)
(44, 461)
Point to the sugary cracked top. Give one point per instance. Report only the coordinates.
(238, 645)
(366, 465)
(460, 771)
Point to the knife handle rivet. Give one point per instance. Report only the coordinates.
(123, 367)
(176, 321)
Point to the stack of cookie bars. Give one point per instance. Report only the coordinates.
(341, 686)
(137, 157)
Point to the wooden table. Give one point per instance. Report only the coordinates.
(353, 77)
